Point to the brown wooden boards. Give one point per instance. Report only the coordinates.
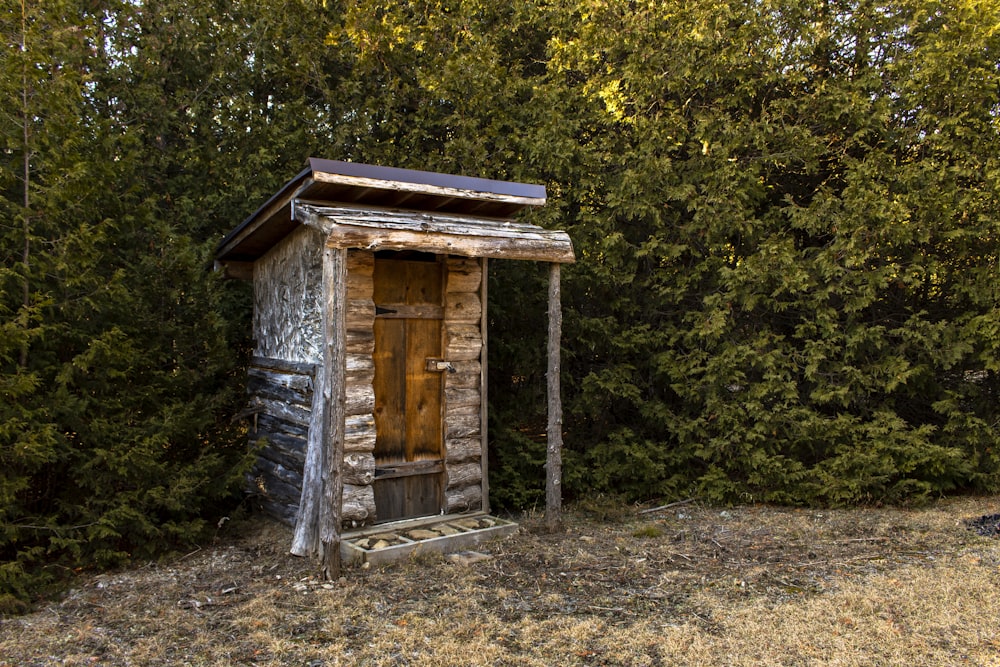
(408, 296)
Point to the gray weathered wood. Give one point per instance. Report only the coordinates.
(305, 539)
(553, 457)
(357, 504)
(463, 342)
(284, 410)
(359, 468)
(460, 450)
(464, 474)
(287, 318)
(396, 185)
(386, 229)
(462, 425)
(466, 499)
(484, 489)
(334, 399)
(284, 366)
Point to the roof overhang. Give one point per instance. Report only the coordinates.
(347, 184)
(438, 233)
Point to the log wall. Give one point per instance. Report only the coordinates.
(288, 324)
(463, 389)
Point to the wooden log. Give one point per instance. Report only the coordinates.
(358, 363)
(359, 468)
(553, 453)
(287, 411)
(464, 275)
(463, 342)
(460, 450)
(280, 511)
(463, 474)
(335, 364)
(462, 426)
(360, 441)
(358, 504)
(359, 277)
(306, 537)
(360, 341)
(436, 233)
(466, 376)
(361, 315)
(278, 480)
(284, 366)
(463, 307)
(360, 399)
(270, 424)
(280, 386)
(468, 411)
(360, 263)
(458, 398)
(362, 424)
(484, 390)
(288, 450)
(363, 376)
(468, 499)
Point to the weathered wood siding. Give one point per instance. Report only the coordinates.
(288, 329)
(463, 388)
(281, 392)
(287, 289)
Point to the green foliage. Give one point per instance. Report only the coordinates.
(116, 370)
(785, 216)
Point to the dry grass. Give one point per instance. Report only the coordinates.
(690, 585)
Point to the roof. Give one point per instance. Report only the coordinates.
(332, 182)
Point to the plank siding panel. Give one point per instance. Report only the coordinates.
(287, 284)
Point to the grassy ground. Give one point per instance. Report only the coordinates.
(689, 585)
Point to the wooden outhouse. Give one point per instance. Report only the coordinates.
(368, 380)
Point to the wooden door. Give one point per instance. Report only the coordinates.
(409, 444)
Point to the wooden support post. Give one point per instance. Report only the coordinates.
(305, 539)
(553, 458)
(334, 398)
(484, 389)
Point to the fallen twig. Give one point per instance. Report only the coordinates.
(667, 506)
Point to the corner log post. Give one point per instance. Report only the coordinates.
(334, 372)
(553, 455)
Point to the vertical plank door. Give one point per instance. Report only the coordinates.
(409, 444)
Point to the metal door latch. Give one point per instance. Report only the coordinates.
(440, 365)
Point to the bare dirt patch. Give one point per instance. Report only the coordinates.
(690, 584)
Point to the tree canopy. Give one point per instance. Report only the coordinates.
(786, 218)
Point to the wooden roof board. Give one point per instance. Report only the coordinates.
(440, 233)
(333, 181)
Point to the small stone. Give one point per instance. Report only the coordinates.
(468, 524)
(422, 534)
(466, 558)
(381, 544)
(445, 529)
